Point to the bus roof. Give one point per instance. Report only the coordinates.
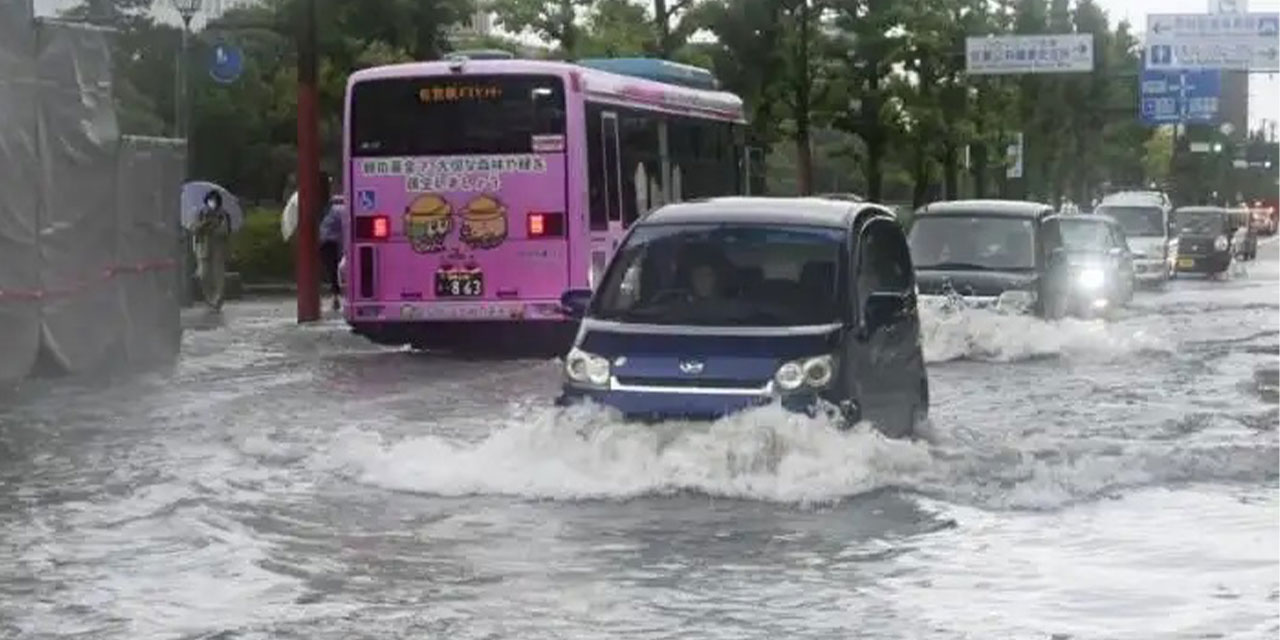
(594, 83)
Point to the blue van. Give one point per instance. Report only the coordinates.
(714, 306)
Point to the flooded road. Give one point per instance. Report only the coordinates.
(1085, 480)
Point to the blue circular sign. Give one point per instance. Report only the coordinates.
(226, 64)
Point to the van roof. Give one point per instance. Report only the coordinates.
(820, 212)
(1010, 208)
(1099, 218)
(1121, 198)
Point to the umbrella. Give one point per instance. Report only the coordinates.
(193, 194)
(289, 217)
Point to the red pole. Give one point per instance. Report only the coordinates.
(306, 262)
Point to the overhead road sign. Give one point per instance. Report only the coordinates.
(1170, 97)
(1238, 42)
(1064, 53)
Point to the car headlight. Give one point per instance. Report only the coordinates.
(815, 373)
(587, 368)
(1091, 278)
(1220, 243)
(1016, 301)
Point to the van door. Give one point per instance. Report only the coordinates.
(889, 352)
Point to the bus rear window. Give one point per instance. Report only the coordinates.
(456, 115)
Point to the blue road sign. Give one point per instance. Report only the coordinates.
(226, 63)
(1169, 97)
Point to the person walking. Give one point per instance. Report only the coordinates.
(331, 245)
(209, 241)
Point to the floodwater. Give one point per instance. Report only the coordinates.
(1084, 480)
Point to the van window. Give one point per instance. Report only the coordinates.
(884, 262)
(977, 242)
(723, 275)
(1137, 221)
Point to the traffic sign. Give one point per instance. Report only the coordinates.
(1168, 97)
(1065, 53)
(226, 63)
(1242, 42)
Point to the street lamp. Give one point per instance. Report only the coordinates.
(187, 9)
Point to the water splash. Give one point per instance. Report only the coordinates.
(981, 334)
(768, 454)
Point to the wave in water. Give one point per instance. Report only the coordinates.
(980, 334)
(768, 454)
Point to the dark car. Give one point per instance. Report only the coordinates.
(1090, 268)
(1205, 236)
(987, 253)
(714, 306)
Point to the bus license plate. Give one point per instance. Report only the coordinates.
(459, 284)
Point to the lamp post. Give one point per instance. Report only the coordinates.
(181, 115)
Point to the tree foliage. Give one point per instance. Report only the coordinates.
(867, 95)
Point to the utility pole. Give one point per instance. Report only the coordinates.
(306, 263)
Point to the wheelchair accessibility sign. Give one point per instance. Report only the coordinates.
(368, 199)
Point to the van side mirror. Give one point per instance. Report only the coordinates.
(574, 302)
(884, 308)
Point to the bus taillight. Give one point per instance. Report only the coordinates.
(373, 228)
(545, 225)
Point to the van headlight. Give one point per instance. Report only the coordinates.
(815, 373)
(1016, 301)
(1220, 243)
(1092, 278)
(587, 368)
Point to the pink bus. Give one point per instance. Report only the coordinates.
(481, 190)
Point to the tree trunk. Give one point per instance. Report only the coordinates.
(979, 158)
(874, 167)
(951, 172)
(662, 28)
(569, 31)
(803, 87)
(919, 173)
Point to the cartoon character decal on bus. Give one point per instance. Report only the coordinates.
(484, 222)
(427, 222)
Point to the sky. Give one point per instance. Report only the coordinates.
(1264, 89)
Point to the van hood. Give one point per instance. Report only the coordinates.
(1151, 247)
(687, 356)
(973, 283)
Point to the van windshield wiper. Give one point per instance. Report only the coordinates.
(955, 266)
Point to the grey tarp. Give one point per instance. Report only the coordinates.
(19, 172)
(78, 142)
(88, 220)
(150, 173)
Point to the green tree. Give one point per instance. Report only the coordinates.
(555, 21)
(872, 33)
(616, 28)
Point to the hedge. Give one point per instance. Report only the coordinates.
(257, 251)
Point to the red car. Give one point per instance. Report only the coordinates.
(1264, 216)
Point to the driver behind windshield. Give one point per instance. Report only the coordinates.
(705, 274)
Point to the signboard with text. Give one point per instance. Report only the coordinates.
(1240, 42)
(1066, 53)
(1169, 97)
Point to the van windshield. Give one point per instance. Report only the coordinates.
(724, 275)
(973, 242)
(1137, 222)
(1200, 222)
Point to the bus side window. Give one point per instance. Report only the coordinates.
(597, 206)
(639, 134)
